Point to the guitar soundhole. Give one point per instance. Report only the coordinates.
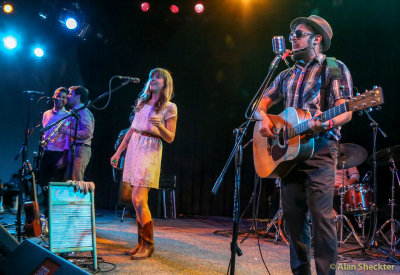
(269, 145)
(281, 138)
(279, 150)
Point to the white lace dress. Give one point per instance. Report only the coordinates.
(143, 156)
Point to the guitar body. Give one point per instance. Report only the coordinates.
(275, 157)
(32, 221)
(32, 226)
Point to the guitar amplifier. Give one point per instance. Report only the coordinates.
(71, 220)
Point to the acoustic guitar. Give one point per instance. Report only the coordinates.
(32, 226)
(294, 142)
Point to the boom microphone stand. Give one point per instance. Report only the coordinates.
(235, 250)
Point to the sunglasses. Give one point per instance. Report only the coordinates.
(298, 34)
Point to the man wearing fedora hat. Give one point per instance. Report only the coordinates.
(309, 186)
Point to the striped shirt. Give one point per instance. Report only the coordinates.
(300, 86)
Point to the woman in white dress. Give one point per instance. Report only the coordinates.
(155, 119)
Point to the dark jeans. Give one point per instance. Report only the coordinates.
(309, 188)
(49, 172)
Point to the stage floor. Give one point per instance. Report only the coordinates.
(191, 246)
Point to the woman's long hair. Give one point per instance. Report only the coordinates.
(165, 95)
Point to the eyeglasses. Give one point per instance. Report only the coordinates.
(298, 34)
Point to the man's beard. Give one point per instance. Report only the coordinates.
(302, 55)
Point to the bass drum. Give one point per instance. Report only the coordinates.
(284, 232)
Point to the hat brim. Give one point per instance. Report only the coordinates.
(301, 20)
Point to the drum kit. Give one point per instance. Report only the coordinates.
(354, 199)
(357, 199)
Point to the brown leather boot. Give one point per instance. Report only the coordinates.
(147, 248)
(140, 241)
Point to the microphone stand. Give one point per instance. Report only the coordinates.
(237, 151)
(373, 243)
(73, 148)
(23, 152)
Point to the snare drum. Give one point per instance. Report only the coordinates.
(358, 198)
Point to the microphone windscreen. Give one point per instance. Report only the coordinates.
(278, 44)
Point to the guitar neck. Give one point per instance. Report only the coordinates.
(303, 127)
(33, 186)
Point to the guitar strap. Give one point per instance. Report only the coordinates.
(334, 72)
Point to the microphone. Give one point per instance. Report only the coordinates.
(367, 177)
(129, 78)
(34, 93)
(278, 45)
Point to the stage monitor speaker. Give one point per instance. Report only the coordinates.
(31, 259)
(71, 220)
(7, 243)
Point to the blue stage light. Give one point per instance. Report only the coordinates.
(71, 23)
(10, 42)
(38, 52)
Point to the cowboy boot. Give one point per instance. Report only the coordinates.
(140, 241)
(147, 248)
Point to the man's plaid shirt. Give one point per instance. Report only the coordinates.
(300, 87)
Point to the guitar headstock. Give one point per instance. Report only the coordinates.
(366, 100)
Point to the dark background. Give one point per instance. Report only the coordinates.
(218, 60)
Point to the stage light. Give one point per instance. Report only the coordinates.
(10, 42)
(71, 23)
(38, 52)
(199, 8)
(8, 8)
(145, 6)
(174, 8)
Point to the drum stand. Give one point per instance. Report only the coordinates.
(392, 221)
(341, 216)
(360, 218)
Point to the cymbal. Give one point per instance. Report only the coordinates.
(384, 156)
(350, 155)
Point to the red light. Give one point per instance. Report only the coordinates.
(199, 8)
(145, 6)
(174, 9)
